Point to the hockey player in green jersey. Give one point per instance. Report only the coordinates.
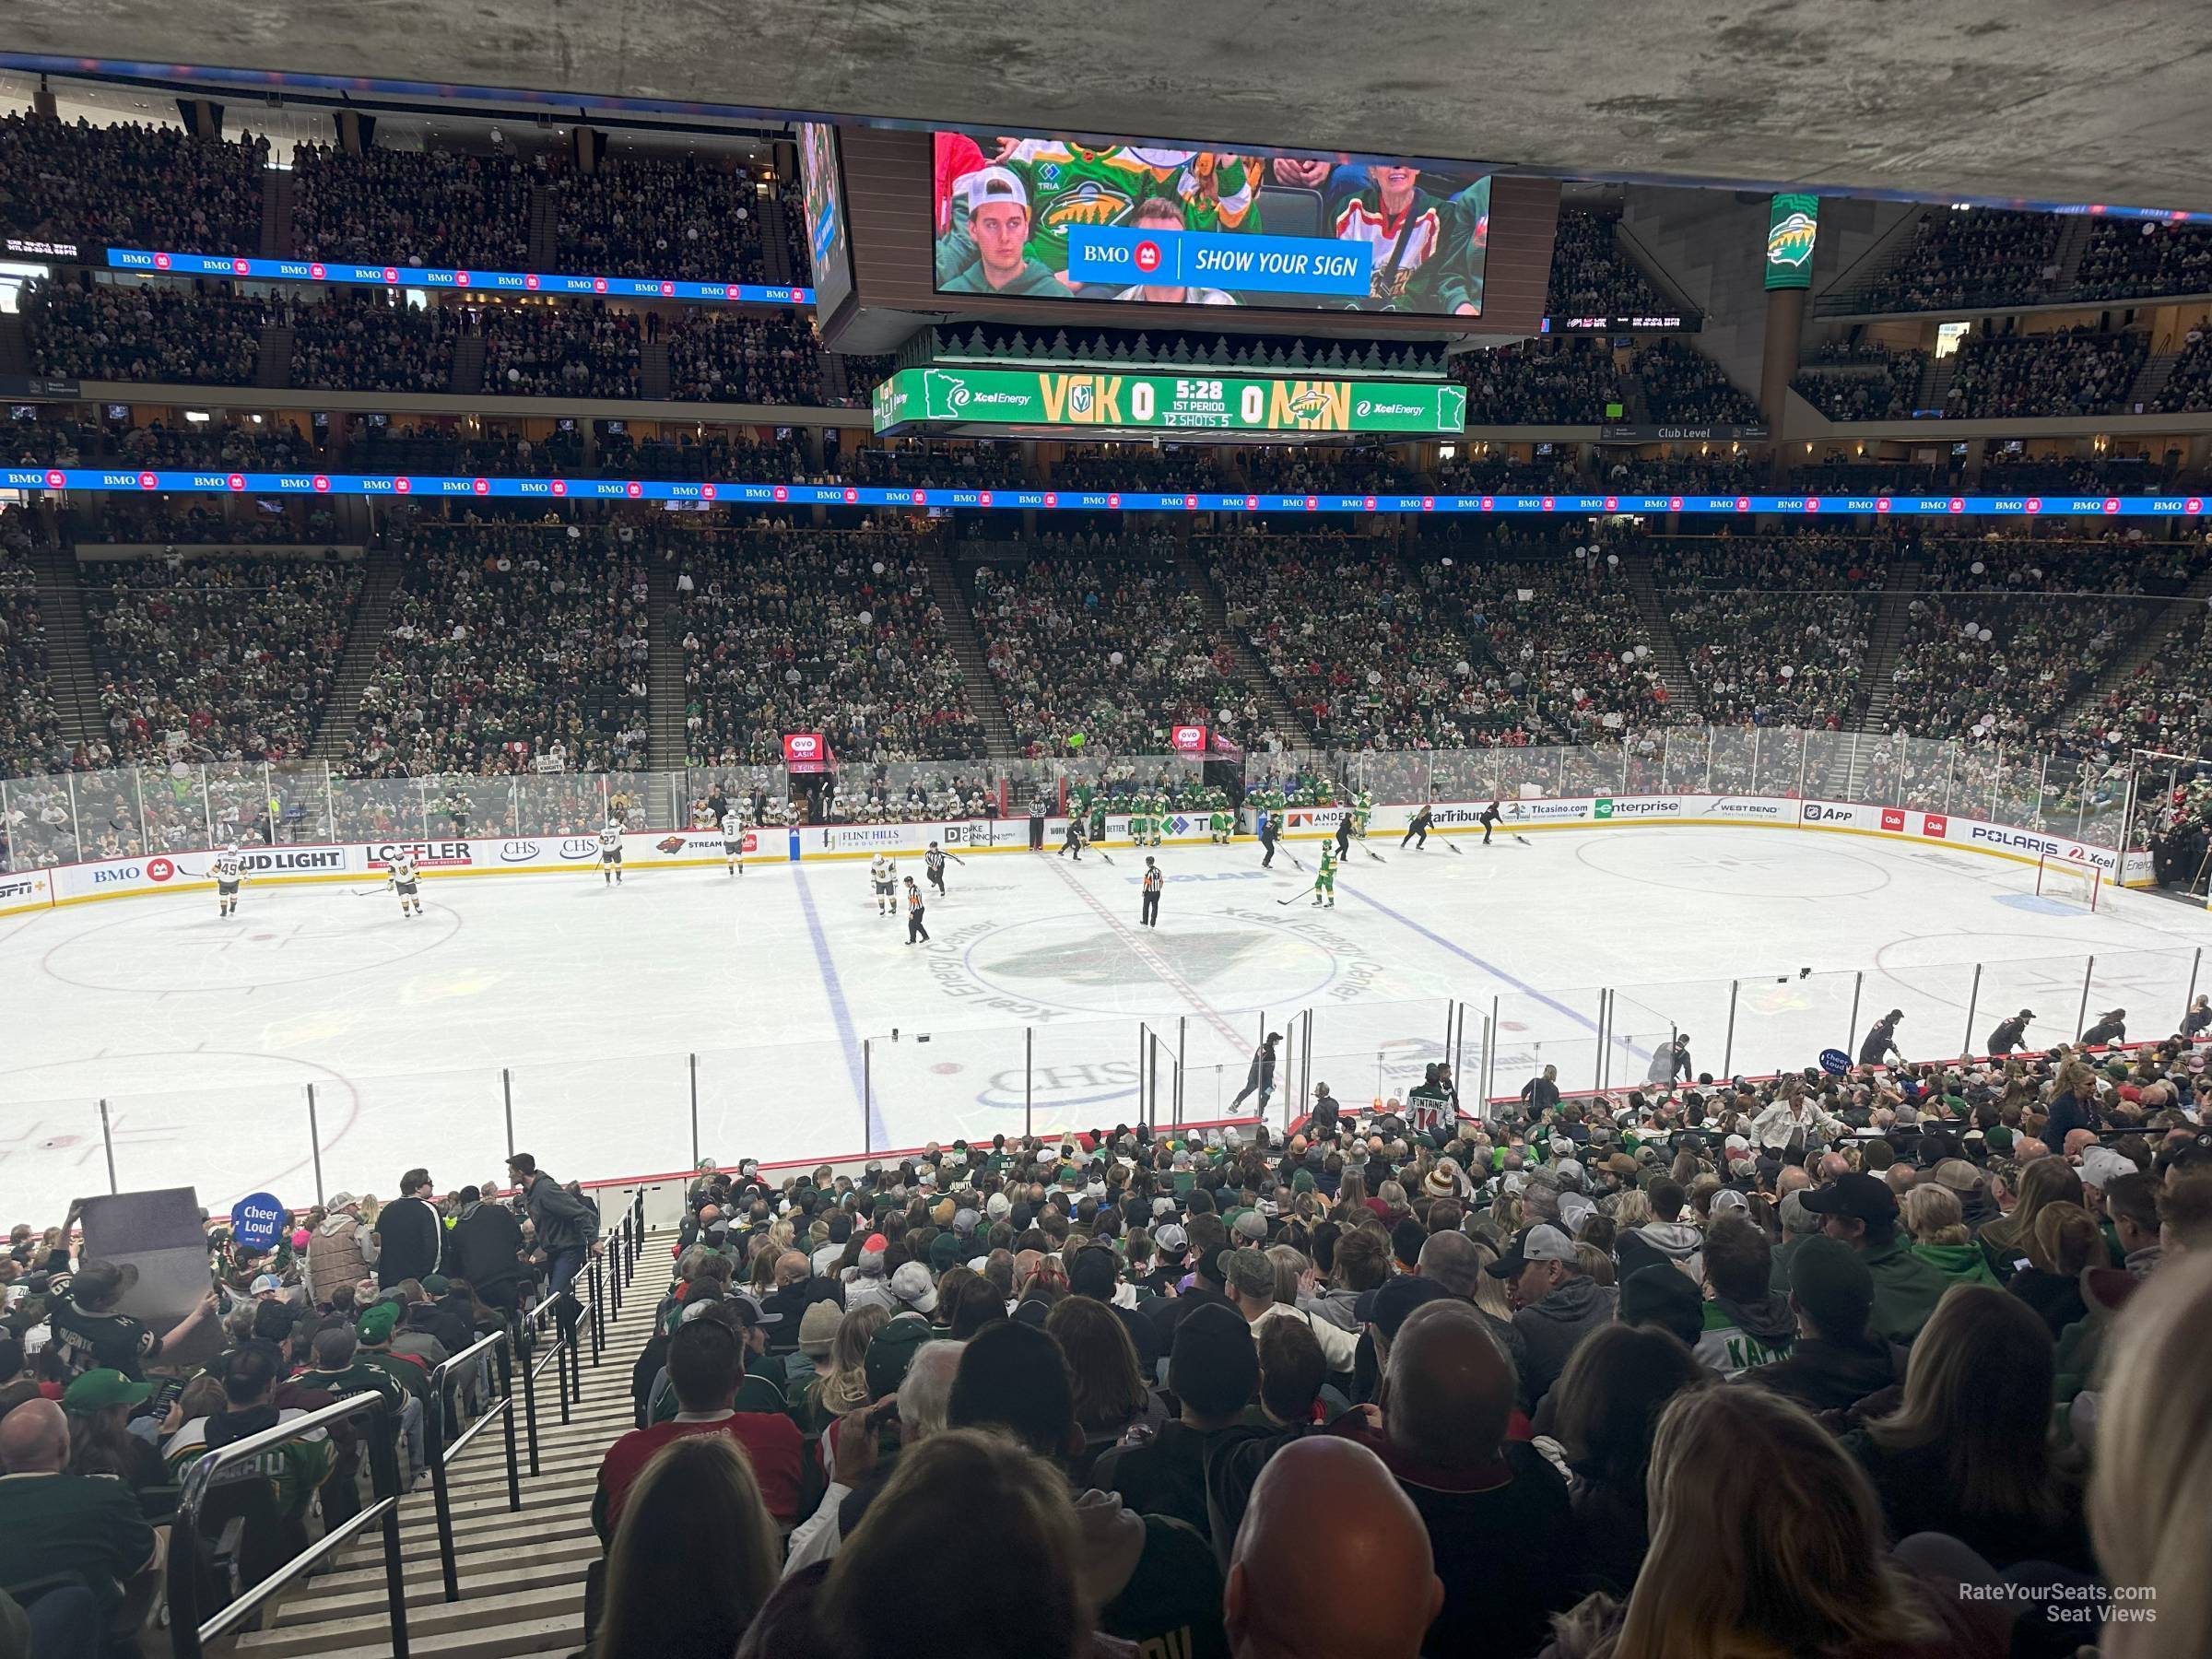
(1219, 825)
(1159, 816)
(1098, 821)
(1325, 883)
(1363, 808)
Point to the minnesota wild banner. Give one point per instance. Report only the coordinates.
(1792, 224)
(951, 398)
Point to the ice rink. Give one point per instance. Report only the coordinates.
(810, 1028)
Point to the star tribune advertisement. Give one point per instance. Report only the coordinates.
(1059, 219)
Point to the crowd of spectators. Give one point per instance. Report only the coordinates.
(1962, 257)
(2188, 388)
(555, 351)
(511, 647)
(2017, 473)
(694, 219)
(2000, 668)
(382, 206)
(740, 356)
(139, 330)
(1773, 630)
(918, 464)
(1680, 383)
(2166, 704)
(2128, 259)
(1591, 277)
(1716, 474)
(184, 521)
(132, 185)
(357, 340)
(1542, 382)
(216, 659)
(1358, 648)
(31, 734)
(1560, 1380)
(1104, 646)
(809, 631)
(1885, 395)
(1498, 471)
(2068, 372)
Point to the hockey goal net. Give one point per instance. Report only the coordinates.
(2069, 880)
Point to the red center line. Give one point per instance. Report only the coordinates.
(1162, 969)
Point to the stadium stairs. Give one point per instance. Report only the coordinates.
(76, 682)
(653, 371)
(277, 196)
(775, 243)
(544, 228)
(830, 366)
(520, 1574)
(984, 700)
(364, 638)
(15, 351)
(2157, 630)
(2072, 243)
(666, 745)
(1674, 668)
(1877, 682)
(273, 366)
(2150, 379)
(1275, 708)
(467, 375)
(1846, 295)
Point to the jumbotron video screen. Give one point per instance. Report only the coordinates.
(1057, 219)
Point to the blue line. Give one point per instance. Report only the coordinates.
(839, 1012)
(1519, 984)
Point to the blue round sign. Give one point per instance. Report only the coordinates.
(1834, 1062)
(257, 1221)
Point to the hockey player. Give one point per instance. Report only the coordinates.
(1489, 820)
(932, 862)
(1149, 915)
(1157, 816)
(915, 933)
(1269, 828)
(1363, 808)
(1325, 883)
(1073, 840)
(1220, 825)
(400, 871)
(733, 841)
(1140, 822)
(229, 872)
(1419, 826)
(1095, 832)
(883, 875)
(610, 854)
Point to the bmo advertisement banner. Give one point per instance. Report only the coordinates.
(806, 752)
(1187, 739)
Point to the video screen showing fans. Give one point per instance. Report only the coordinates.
(1055, 218)
(829, 244)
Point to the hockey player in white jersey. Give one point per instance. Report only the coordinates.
(884, 874)
(400, 871)
(733, 841)
(230, 871)
(610, 854)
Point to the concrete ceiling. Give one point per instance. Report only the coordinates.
(2029, 99)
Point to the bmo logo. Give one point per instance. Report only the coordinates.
(2111, 503)
(2034, 504)
(1812, 503)
(730, 292)
(1113, 500)
(1052, 498)
(667, 288)
(1427, 503)
(633, 490)
(146, 480)
(1312, 503)
(560, 486)
(1488, 503)
(1935, 824)
(598, 285)
(161, 262)
(54, 479)
(317, 272)
(982, 498)
(2193, 505)
(1367, 504)
(1674, 503)
(1743, 503)
(401, 485)
(460, 278)
(322, 482)
(159, 869)
(852, 496)
(239, 267)
(391, 274)
(481, 486)
(781, 493)
(1957, 504)
(707, 492)
(530, 280)
(1147, 257)
(1893, 821)
(1881, 503)
(1612, 504)
(1549, 503)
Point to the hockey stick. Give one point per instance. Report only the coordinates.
(1106, 855)
(1297, 896)
(1453, 847)
(1376, 856)
(1523, 840)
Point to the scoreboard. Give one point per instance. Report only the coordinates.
(963, 400)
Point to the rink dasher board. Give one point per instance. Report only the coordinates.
(187, 872)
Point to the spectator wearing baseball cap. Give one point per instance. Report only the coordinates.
(1861, 1211)
(100, 1403)
(1836, 1360)
(1556, 1304)
(987, 250)
(1213, 1369)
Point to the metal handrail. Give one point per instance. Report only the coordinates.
(443, 1382)
(188, 1634)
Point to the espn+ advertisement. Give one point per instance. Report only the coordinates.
(1053, 218)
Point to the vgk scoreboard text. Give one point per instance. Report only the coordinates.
(952, 400)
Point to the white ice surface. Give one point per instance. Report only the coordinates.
(201, 1034)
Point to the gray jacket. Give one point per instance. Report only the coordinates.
(562, 1222)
